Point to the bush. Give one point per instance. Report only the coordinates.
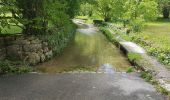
(8, 67)
(58, 39)
(137, 25)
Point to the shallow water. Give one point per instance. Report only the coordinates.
(90, 48)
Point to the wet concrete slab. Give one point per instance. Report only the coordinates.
(78, 86)
(132, 47)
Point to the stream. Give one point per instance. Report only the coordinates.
(89, 48)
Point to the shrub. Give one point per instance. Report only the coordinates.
(137, 25)
(58, 39)
(8, 67)
(130, 69)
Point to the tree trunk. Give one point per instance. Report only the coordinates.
(165, 12)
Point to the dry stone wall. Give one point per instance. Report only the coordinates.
(30, 50)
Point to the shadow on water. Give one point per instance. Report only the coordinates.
(90, 49)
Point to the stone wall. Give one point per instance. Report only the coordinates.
(30, 50)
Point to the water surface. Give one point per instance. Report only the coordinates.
(89, 49)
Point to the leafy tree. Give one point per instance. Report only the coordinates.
(118, 9)
(86, 9)
(104, 8)
(139, 11)
(34, 15)
(8, 14)
(164, 7)
(73, 7)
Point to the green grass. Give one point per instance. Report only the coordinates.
(158, 33)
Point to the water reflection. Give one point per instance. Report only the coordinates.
(90, 48)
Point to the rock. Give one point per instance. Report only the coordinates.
(22, 42)
(32, 47)
(45, 49)
(1, 41)
(49, 54)
(45, 44)
(2, 53)
(42, 58)
(35, 41)
(30, 38)
(12, 51)
(33, 58)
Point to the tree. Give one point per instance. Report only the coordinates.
(73, 7)
(86, 9)
(145, 9)
(104, 8)
(34, 15)
(8, 14)
(164, 6)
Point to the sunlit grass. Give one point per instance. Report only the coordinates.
(158, 33)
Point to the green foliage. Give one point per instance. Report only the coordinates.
(86, 9)
(136, 25)
(73, 7)
(133, 56)
(8, 67)
(130, 69)
(164, 8)
(147, 76)
(59, 39)
(7, 15)
(148, 10)
(108, 34)
(104, 8)
(34, 16)
(137, 12)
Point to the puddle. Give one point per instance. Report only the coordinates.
(106, 68)
(90, 49)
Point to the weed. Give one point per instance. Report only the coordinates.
(130, 69)
(133, 56)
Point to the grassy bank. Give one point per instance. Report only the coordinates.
(154, 38)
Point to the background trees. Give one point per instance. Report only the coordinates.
(35, 16)
(164, 7)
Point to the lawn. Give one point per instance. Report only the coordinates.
(158, 33)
